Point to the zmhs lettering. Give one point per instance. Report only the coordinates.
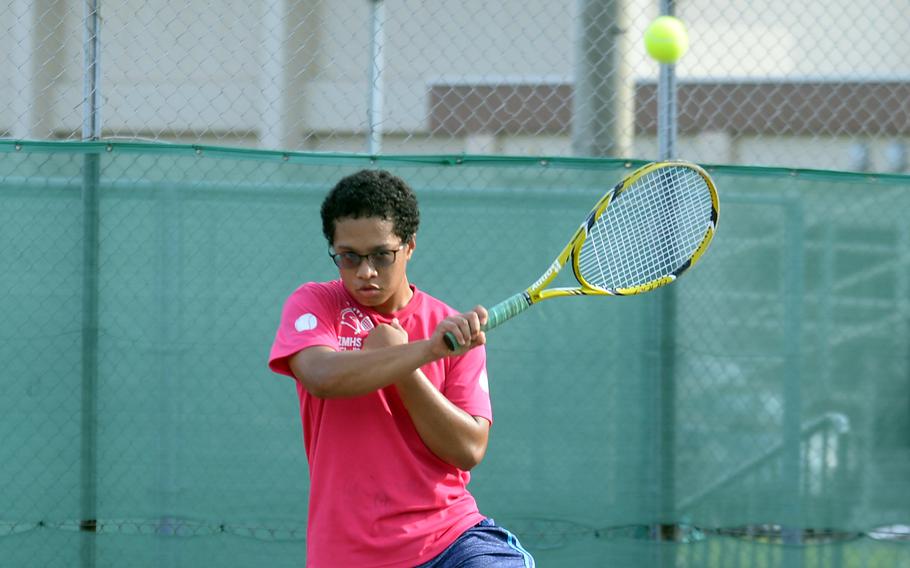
(354, 325)
(350, 343)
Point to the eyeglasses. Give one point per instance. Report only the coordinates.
(378, 259)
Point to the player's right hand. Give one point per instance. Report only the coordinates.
(467, 328)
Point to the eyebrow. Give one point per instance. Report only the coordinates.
(380, 248)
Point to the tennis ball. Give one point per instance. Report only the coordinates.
(666, 39)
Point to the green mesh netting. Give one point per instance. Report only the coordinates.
(756, 413)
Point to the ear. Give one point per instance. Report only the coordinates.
(411, 245)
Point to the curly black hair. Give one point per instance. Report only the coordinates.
(371, 193)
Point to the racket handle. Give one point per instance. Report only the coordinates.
(498, 314)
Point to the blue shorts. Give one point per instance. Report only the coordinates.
(484, 545)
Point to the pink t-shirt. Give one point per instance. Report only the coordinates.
(378, 496)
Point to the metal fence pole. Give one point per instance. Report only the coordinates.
(91, 130)
(792, 377)
(91, 96)
(377, 69)
(666, 393)
(274, 133)
(23, 46)
(603, 96)
(666, 100)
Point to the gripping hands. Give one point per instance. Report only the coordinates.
(461, 332)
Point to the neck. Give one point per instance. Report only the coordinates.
(398, 300)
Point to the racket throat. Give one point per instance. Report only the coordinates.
(547, 276)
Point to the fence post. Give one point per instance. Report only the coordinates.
(666, 100)
(275, 85)
(377, 69)
(792, 532)
(602, 120)
(91, 71)
(666, 407)
(91, 130)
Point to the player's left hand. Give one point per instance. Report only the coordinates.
(386, 335)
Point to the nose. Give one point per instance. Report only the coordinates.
(365, 270)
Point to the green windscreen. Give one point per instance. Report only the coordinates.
(756, 413)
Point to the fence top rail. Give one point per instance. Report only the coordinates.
(366, 160)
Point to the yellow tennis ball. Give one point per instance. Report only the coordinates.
(666, 39)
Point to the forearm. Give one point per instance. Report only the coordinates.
(449, 432)
(339, 374)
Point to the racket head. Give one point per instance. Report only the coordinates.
(647, 231)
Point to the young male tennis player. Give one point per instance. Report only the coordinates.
(393, 421)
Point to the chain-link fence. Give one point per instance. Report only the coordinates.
(752, 415)
(815, 84)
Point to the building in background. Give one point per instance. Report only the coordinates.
(822, 85)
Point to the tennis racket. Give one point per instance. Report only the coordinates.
(643, 234)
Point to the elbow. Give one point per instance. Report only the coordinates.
(317, 390)
(471, 457)
(318, 384)
(467, 464)
(474, 447)
(314, 370)
(319, 387)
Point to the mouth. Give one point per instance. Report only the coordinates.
(369, 291)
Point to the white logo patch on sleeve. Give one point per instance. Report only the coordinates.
(305, 322)
(484, 381)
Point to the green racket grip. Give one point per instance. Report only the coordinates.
(506, 310)
(497, 315)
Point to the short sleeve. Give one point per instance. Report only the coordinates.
(466, 383)
(306, 321)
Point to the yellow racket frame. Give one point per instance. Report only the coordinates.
(538, 291)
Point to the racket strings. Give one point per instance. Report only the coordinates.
(649, 231)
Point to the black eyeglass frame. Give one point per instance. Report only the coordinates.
(375, 258)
